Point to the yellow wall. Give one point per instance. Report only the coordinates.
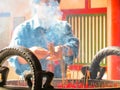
(98, 3)
(72, 4)
(76, 4)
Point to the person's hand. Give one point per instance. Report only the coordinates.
(69, 51)
(40, 52)
(56, 54)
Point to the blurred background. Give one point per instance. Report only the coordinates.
(90, 20)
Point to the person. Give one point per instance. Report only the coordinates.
(47, 36)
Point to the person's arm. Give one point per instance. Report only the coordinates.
(67, 51)
(17, 40)
(38, 51)
(71, 45)
(21, 37)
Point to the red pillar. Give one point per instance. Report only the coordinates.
(114, 63)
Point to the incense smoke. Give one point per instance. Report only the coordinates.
(47, 12)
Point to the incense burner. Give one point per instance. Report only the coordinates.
(90, 80)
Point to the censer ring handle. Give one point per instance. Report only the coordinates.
(29, 57)
(95, 65)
